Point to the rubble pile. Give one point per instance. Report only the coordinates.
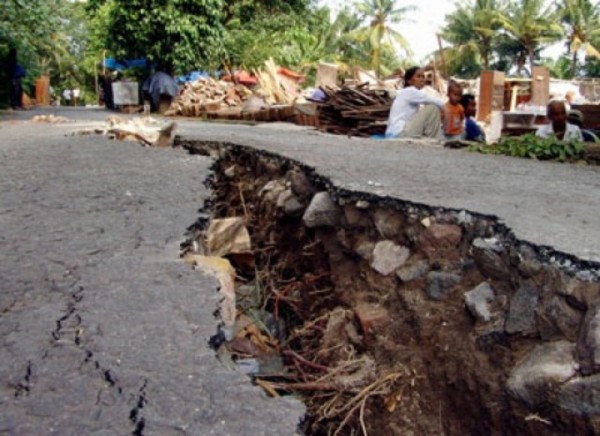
(356, 111)
(393, 318)
(206, 95)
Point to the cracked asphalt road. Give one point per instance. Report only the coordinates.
(104, 330)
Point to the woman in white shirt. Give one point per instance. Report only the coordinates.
(413, 112)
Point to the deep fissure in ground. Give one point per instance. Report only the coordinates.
(390, 317)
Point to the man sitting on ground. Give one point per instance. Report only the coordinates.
(559, 127)
(576, 117)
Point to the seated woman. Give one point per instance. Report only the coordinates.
(407, 117)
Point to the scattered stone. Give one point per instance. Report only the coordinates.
(464, 217)
(388, 223)
(300, 183)
(365, 249)
(492, 244)
(530, 267)
(582, 294)
(272, 189)
(441, 284)
(541, 372)
(321, 211)
(580, 396)
(370, 316)
(387, 257)
(290, 203)
(556, 319)
(440, 237)
(426, 222)
(363, 204)
(230, 172)
(356, 217)
(478, 301)
(414, 271)
(521, 315)
(589, 348)
(491, 264)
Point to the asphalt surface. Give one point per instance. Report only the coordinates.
(104, 330)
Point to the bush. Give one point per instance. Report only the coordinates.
(534, 147)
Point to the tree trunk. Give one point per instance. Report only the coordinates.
(574, 64)
(530, 53)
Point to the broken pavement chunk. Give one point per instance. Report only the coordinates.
(227, 235)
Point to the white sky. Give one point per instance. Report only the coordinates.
(425, 22)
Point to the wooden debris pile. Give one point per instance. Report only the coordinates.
(206, 95)
(275, 87)
(354, 111)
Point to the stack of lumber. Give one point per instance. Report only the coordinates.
(206, 95)
(354, 111)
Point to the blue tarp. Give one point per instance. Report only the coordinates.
(195, 75)
(160, 84)
(113, 64)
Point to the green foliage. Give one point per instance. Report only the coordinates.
(471, 28)
(380, 17)
(177, 36)
(533, 147)
(49, 36)
(530, 24)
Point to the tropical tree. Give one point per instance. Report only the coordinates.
(581, 19)
(381, 16)
(471, 29)
(530, 24)
(48, 35)
(177, 36)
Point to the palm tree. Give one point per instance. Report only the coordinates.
(581, 19)
(380, 16)
(472, 27)
(530, 23)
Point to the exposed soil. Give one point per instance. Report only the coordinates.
(397, 349)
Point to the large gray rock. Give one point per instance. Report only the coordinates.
(321, 211)
(521, 315)
(580, 396)
(542, 372)
(440, 284)
(387, 257)
(478, 301)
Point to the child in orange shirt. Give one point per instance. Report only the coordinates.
(454, 113)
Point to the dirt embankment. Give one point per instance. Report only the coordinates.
(396, 318)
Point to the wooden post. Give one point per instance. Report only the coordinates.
(439, 39)
(540, 86)
(491, 94)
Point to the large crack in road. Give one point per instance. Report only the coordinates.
(402, 318)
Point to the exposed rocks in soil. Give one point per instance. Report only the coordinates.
(398, 318)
